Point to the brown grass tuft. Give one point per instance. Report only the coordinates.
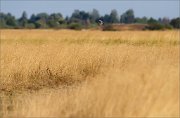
(89, 73)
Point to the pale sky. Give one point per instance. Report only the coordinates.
(149, 8)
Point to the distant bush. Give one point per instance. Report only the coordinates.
(158, 26)
(108, 28)
(30, 26)
(168, 26)
(75, 26)
(155, 26)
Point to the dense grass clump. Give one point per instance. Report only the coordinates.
(89, 73)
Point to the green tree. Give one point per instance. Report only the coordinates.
(23, 21)
(152, 21)
(2, 20)
(141, 20)
(75, 17)
(94, 15)
(175, 22)
(33, 18)
(41, 20)
(106, 18)
(165, 21)
(55, 20)
(80, 17)
(127, 17)
(114, 16)
(7, 21)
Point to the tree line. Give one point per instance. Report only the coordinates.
(81, 19)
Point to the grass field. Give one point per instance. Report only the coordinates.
(89, 73)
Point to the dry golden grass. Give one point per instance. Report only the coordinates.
(89, 73)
